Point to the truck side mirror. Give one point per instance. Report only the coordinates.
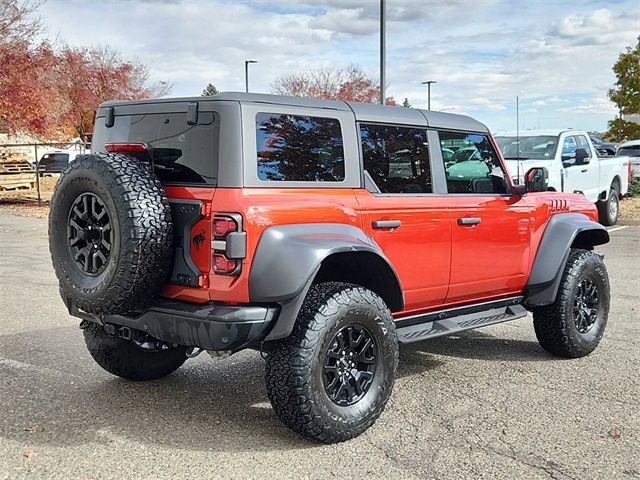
(536, 179)
(582, 156)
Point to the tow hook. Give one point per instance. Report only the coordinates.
(194, 352)
(216, 355)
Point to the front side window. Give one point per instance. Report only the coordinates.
(296, 148)
(582, 143)
(569, 146)
(471, 163)
(396, 158)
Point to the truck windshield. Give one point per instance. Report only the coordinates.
(631, 151)
(539, 147)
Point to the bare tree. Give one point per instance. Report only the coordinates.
(350, 83)
(18, 21)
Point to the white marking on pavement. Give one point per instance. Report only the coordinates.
(17, 365)
(617, 228)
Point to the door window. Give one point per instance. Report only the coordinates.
(471, 164)
(396, 158)
(569, 147)
(582, 143)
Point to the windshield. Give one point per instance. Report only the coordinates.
(631, 151)
(541, 147)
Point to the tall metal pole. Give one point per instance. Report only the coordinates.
(246, 74)
(383, 53)
(428, 84)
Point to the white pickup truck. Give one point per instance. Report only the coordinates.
(573, 165)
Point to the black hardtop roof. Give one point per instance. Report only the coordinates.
(367, 112)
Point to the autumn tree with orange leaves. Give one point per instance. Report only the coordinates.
(348, 84)
(53, 93)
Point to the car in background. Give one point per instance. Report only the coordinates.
(56, 162)
(632, 150)
(573, 165)
(603, 147)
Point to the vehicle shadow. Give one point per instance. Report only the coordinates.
(51, 383)
(478, 345)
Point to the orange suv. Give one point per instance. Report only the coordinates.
(321, 233)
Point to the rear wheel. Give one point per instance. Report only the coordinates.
(574, 324)
(609, 209)
(126, 359)
(331, 378)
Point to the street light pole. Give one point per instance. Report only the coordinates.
(246, 74)
(383, 54)
(428, 84)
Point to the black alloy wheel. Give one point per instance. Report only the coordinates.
(349, 365)
(585, 305)
(89, 233)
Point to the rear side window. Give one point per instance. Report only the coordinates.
(182, 153)
(295, 148)
(471, 164)
(396, 158)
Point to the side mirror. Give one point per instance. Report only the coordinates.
(582, 156)
(536, 180)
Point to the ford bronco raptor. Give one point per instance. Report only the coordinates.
(321, 233)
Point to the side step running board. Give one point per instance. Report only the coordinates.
(468, 321)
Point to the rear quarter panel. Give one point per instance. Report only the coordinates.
(265, 207)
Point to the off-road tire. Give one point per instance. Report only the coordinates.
(295, 365)
(555, 324)
(609, 209)
(141, 233)
(125, 359)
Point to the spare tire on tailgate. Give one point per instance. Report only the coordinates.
(110, 233)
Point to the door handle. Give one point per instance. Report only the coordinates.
(386, 223)
(584, 170)
(469, 221)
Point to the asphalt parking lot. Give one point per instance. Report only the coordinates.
(485, 404)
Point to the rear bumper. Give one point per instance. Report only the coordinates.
(211, 326)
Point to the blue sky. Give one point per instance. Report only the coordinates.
(555, 55)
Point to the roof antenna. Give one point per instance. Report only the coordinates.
(518, 138)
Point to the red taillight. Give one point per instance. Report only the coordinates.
(229, 243)
(222, 265)
(125, 147)
(221, 226)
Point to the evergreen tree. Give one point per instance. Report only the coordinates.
(210, 90)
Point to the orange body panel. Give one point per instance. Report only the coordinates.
(440, 263)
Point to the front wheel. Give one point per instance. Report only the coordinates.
(331, 378)
(573, 325)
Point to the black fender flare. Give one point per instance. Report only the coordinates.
(563, 232)
(288, 257)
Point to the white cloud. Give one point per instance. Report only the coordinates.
(592, 105)
(483, 54)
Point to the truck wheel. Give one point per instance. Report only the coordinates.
(110, 233)
(609, 209)
(125, 359)
(573, 325)
(331, 378)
